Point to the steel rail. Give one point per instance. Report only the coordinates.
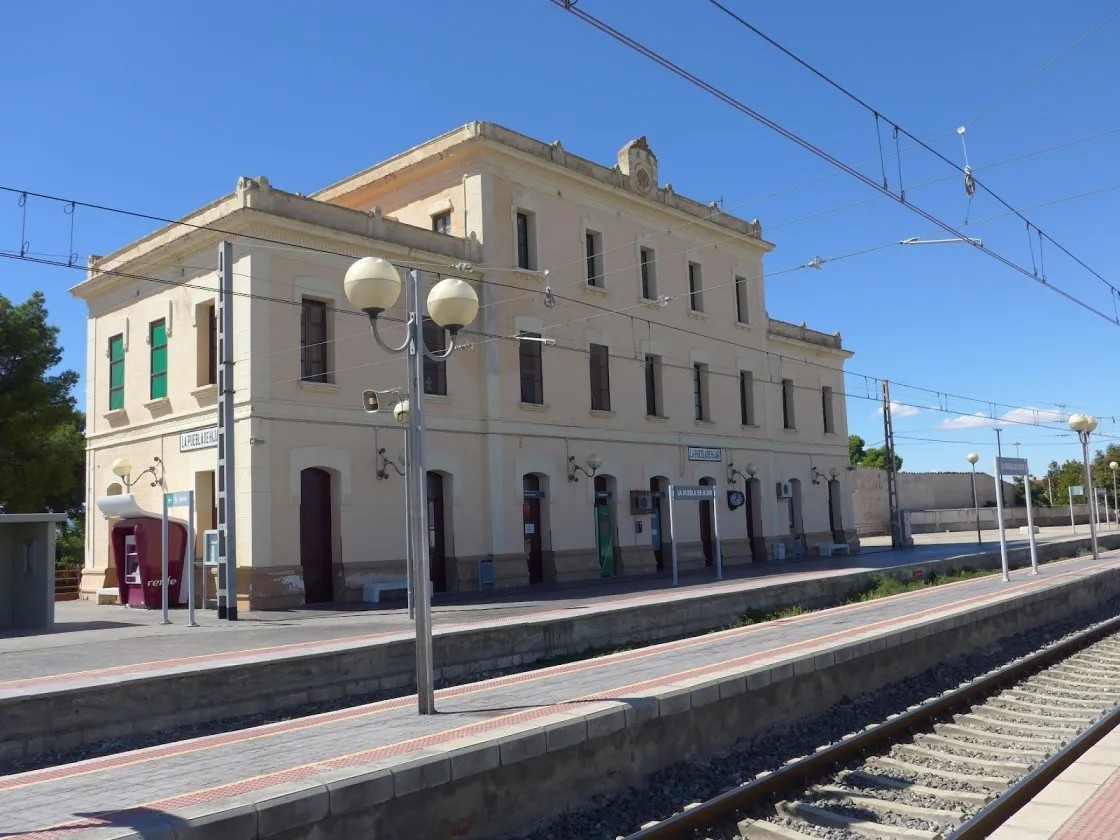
(1001, 809)
(801, 771)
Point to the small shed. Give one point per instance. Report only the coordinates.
(27, 570)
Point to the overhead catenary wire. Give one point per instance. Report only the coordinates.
(347, 311)
(501, 337)
(69, 206)
(899, 129)
(810, 147)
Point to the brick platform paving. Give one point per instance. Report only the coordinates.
(103, 797)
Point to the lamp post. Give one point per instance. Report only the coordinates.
(373, 285)
(1085, 425)
(972, 459)
(1114, 467)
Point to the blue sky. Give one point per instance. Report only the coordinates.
(160, 108)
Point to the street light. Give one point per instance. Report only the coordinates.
(1085, 425)
(593, 463)
(373, 285)
(122, 469)
(972, 458)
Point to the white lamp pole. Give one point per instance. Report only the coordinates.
(972, 459)
(373, 285)
(1085, 425)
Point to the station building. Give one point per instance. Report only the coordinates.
(665, 369)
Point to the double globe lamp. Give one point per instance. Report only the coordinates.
(373, 285)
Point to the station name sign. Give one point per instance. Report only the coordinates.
(198, 439)
(705, 453)
(1011, 466)
(691, 492)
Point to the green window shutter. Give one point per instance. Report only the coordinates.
(158, 335)
(116, 372)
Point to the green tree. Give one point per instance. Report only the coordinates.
(856, 450)
(876, 459)
(42, 441)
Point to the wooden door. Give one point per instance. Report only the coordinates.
(748, 506)
(437, 538)
(531, 525)
(315, 543)
(706, 540)
(655, 522)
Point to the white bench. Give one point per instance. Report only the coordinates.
(371, 592)
(828, 549)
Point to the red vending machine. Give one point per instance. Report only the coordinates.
(138, 557)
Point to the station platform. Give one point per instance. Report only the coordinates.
(504, 750)
(1083, 803)
(106, 640)
(115, 672)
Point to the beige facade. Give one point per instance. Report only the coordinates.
(663, 353)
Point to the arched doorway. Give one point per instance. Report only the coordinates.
(439, 530)
(604, 524)
(835, 512)
(533, 526)
(315, 541)
(707, 509)
(658, 487)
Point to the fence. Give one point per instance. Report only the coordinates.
(66, 584)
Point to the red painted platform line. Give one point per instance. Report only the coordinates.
(1097, 819)
(326, 644)
(172, 750)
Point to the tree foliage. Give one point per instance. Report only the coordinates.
(42, 442)
(874, 458)
(1071, 473)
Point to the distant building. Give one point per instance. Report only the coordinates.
(691, 377)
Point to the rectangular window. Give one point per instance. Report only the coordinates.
(116, 372)
(742, 313)
(594, 255)
(441, 222)
(700, 391)
(206, 343)
(695, 288)
(313, 341)
(826, 407)
(212, 346)
(788, 420)
(435, 370)
(649, 274)
(157, 338)
(746, 397)
(532, 374)
(526, 256)
(600, 378)
(653, 386)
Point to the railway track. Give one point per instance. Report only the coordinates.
(952, 768)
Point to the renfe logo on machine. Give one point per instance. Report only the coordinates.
(198, 439)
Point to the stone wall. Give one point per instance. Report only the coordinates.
(917, 492)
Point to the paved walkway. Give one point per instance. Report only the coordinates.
(109, 640)
(184, 777)
(1083, 803)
